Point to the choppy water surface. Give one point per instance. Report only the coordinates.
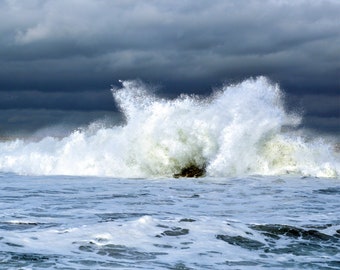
(139, 217)
(58, 222)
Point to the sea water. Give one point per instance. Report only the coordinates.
(58, 222)
(105, 196)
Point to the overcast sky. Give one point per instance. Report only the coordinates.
(58, 59)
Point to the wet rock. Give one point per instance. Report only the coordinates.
(277, 230)
(175, 232)
(191, 171)
(240, 241)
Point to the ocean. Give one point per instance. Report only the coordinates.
(59, 222)
(114, 196)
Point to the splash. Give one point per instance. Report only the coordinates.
(241, 129)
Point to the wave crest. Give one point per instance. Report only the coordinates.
(239, 130)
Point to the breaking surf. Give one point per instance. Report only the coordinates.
(241, 129)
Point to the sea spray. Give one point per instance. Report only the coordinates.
(240, 130)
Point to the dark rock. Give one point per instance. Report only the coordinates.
(191, 171)
(187, 220)
(175, 232)
(277, 230)
(240, 241)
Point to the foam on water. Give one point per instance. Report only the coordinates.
(241, 129)
(59, 222)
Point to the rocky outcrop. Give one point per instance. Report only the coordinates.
(191, 171)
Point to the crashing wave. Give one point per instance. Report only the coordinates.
(239, 130)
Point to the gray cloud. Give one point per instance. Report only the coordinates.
(97, 27)
(32, 99)
(52, 122)
(322, 105)
(323, 124)
(68, 46)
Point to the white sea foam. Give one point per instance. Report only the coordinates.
(240, 130)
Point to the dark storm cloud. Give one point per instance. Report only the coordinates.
(69, 46)
(51, 122)
(84, 100)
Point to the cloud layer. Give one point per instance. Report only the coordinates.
(51, 50)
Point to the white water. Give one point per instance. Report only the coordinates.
(237, 131)
(62, 222)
